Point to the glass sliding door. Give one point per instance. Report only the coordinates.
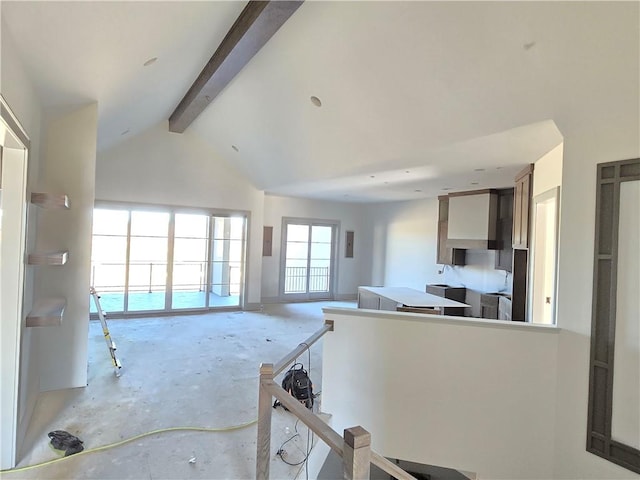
(109, 258)
(153, 260)
(320, 259)
(308, 260)
(227, 260)
(190, 254)
(296, 259)
(148, 250)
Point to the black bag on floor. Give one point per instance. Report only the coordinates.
(61, 440)
(297, 382)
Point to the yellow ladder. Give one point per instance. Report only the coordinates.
(105, 330)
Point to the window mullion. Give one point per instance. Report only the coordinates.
(125, 307)
(168, 294)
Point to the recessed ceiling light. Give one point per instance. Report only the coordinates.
(529, 45)
(151, 61)
(498, 168)
(446, 188)
(316, 101)
(235, 148)
(407, 171)
(478, 169)
(372, 176)
(474, 183)
(417, 191)
(125, 132)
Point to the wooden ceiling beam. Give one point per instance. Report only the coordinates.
(251, 31)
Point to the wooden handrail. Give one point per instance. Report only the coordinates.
(269, 388)
(317, 426)
(325, 432)
(302, 347)
(389, 467)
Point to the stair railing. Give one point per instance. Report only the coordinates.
(354, 447)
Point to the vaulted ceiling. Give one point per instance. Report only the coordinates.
(417, 97)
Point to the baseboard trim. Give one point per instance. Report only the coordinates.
(345, 297)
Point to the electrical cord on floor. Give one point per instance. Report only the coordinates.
(131, 439)
(281, 452)
(174, 429)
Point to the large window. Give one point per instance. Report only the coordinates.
(151, 260)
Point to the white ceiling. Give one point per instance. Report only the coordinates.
(416, 96)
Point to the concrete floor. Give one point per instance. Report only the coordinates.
(195, 370)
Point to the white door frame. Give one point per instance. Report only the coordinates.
(553, 193)
(15, 144)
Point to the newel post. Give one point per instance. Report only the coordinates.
(263, 453)
(356, 459)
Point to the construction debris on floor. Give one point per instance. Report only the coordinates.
(61, 440)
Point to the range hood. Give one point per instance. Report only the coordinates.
(473, 219)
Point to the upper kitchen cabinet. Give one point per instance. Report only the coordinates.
(446, 254)
(521, 207)
(504, 254)
(472, 219)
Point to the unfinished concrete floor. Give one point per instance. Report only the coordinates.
(192, 370)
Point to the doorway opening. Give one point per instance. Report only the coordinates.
(542, 308)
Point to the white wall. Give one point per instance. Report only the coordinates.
(352, 272)
(68, 167)
(17, 89)
(466, 394)
(404, 243)
(404, 251)
(159, 167)
(584, 148)
(547, 171)
(479, 273)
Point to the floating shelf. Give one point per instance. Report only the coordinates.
(47, 313)
(50, 258)
(50, 200)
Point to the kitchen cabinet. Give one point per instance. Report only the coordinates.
(452, 293)
(504, 308)
(522, 207)
(446, 255)
(521, 220)
(519, 293)
(472, 298)
(504, 227)
(496, 306)
(489, 305)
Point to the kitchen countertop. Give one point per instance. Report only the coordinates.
(412, 298)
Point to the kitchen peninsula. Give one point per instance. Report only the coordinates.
(403, 299)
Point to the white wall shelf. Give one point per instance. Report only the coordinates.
(48, 258)
(47, 312)
(50, 200)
